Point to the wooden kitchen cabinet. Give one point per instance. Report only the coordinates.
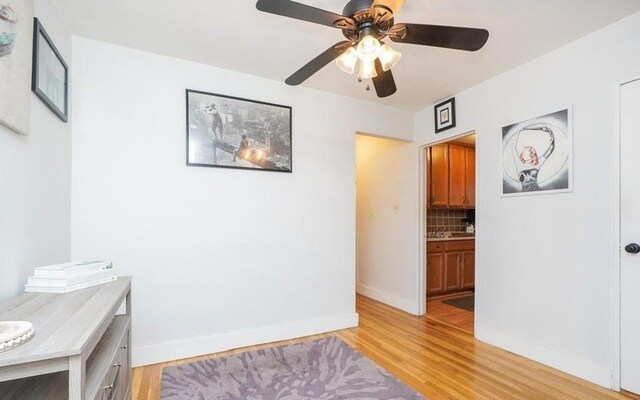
(462, 176)
(457, 176)
(451, 176)
(452, 272)
(435, 274)
(468, 270)
(450, 267)
(470, 176)
(438, 176)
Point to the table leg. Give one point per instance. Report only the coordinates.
(77, 367)
(129, 348)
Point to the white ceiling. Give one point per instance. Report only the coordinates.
(232, 34)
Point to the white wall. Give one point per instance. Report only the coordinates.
(387, 221)
(545, 263)
(220, 258)
(35, 182)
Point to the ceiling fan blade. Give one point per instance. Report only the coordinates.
(469, 39)
(318, 63)
(393, 5)
(303, 12)
(384, 83)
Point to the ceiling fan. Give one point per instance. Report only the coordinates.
(365, 24)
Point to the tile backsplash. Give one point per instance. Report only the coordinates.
(450, 220)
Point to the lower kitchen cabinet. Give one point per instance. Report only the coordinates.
(450, 266)
(468, 271)
(435, 274)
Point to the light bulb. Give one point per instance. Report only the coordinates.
(368, 48)
(389, 57)
(368, 70)
(347, 60)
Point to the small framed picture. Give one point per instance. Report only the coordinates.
(50, 74)
(445, 115)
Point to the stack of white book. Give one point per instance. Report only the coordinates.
(64, 278)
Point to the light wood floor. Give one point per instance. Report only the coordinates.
(451, 315)
(440, 361)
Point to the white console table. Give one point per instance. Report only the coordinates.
(80, 349)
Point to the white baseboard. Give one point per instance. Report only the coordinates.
(163, 352)
(581, 368)
(388, 298)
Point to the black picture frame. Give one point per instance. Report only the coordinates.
(445, 115)
(267, 165)
(41, 38)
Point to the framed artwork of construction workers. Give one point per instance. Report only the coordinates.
(230, 132)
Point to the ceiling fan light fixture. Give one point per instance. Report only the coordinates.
(348, 60)
(365, 23)
(388, 57)
(368, 70)
(368, 48)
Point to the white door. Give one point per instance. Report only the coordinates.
(630, 235)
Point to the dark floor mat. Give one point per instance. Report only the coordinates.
(466, 303)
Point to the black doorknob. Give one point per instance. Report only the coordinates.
(632, 248)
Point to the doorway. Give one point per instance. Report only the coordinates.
(629, 237)
(450, 233)
(387, 220)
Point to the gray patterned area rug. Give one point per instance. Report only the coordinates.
(325, 369)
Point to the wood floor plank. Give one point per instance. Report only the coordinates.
(436, 358)
(451, 315)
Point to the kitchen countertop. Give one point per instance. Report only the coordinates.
(449, 239)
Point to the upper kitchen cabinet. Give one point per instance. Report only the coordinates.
(457, 177)
(462, 176)
(451, 176)
(438, 176)
(470, 176)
